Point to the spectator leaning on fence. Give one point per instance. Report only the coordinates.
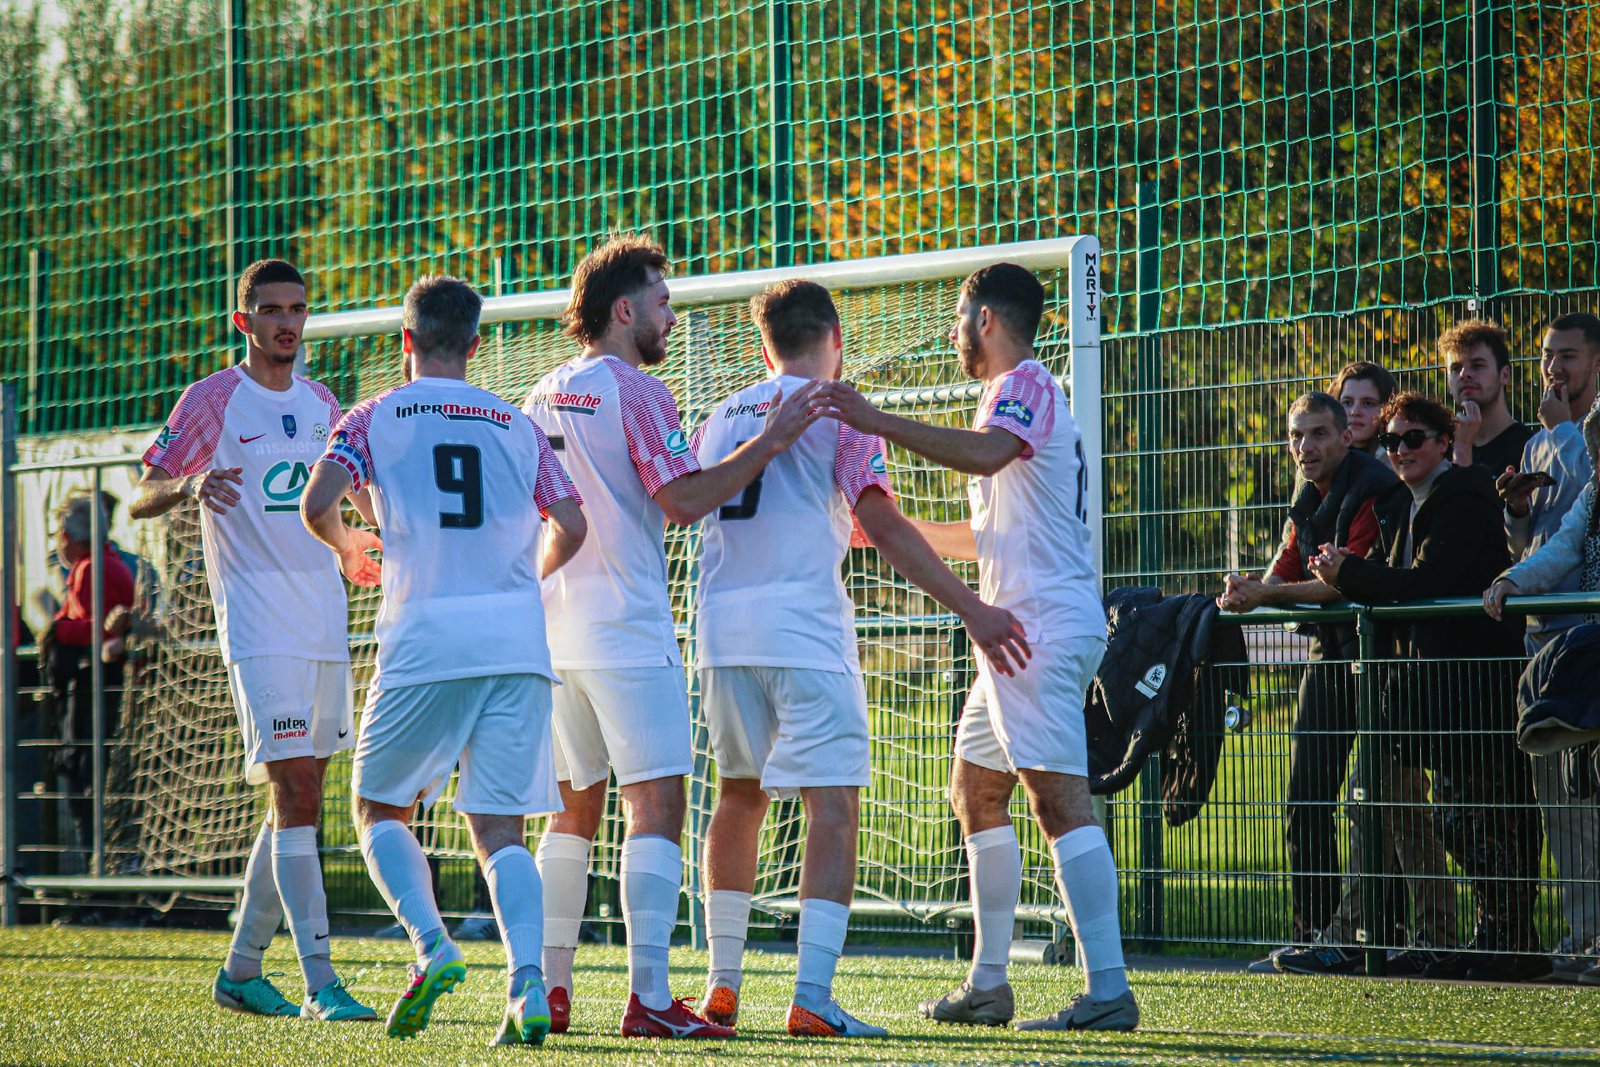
(1539, 496)
(1440, 534)
(1409, 844)
(1333, 504)
(68, 642)
(1477, 363)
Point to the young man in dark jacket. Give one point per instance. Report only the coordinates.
(1333, 504)
(1440, 534)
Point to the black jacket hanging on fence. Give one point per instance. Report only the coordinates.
(1153, 693)
(1558, 699)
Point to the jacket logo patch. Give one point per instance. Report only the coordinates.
(1150, 684)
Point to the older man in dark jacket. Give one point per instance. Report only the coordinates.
(1440, 534)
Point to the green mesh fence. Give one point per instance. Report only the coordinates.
(1240, 162)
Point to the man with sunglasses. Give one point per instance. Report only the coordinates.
(1333, 504)
(1440, 534)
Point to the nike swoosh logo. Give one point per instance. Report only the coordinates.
(263, 948)
(320, 937)
(680, 1031)
(342, 733)
(246, 440)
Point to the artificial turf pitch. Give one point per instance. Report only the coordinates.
(91, 996)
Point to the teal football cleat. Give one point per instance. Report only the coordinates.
(253, 996)
(527, 1018)
(334, 1004)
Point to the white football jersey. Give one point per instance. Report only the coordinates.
(771, 593)
(276, 589)
(616, 430)
(1034, 554)
(459, 479)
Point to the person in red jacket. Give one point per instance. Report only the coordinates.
(69, 643)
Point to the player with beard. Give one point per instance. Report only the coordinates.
(1030, 537)
(622, 706)
(241, 443)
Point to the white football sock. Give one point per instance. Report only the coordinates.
(260, 912)
(727, 925)
(1087, 877)
(298, 872)
(399, 869)
(994, 874)
(563, 862)
(652, 872)
(518, 899)
(823, 925)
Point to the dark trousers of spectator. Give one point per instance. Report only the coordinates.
(73, 685)
(1487, 817)
(1319, 753)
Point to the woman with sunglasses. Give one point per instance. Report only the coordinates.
(1440, 534)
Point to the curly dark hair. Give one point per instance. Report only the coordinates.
(618, 268)
(1414, 407)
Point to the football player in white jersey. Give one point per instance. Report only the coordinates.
(241, 442)
(459, 479)
(1030, 537)
(622, 706)
(780, 676)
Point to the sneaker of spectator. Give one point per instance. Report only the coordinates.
(1268, 964)
(1319, 959)
(1411, 962)
(477, 928)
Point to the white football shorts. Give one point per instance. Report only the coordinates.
(290, 707)
(495, 729)
(788, 726)
(1032, 721)
(633, 721)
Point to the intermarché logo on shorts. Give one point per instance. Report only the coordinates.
(288, 729)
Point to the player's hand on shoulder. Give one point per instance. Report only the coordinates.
(1001, 638)
(357, 566)
(214, 488)
(843, 401)
(792, 415)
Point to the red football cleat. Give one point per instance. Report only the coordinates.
(560, 1009)
(675, 1020)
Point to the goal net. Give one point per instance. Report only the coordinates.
(190, 813)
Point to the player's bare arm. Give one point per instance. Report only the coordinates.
(952, 540)
(982, 452)
(320, 511)
(994, 630)
(563, 536)
(160, 492)
(688, 499)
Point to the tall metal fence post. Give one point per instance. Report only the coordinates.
(97, 671)
(38, 299)
(1148, 381)
(1370, 798)
(1485, 139)
(8, 660)
(235, 44)
(781, 99)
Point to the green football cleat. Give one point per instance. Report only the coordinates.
(409, 1016)
(334, 1004)
(527, 1018)
(253, 996)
